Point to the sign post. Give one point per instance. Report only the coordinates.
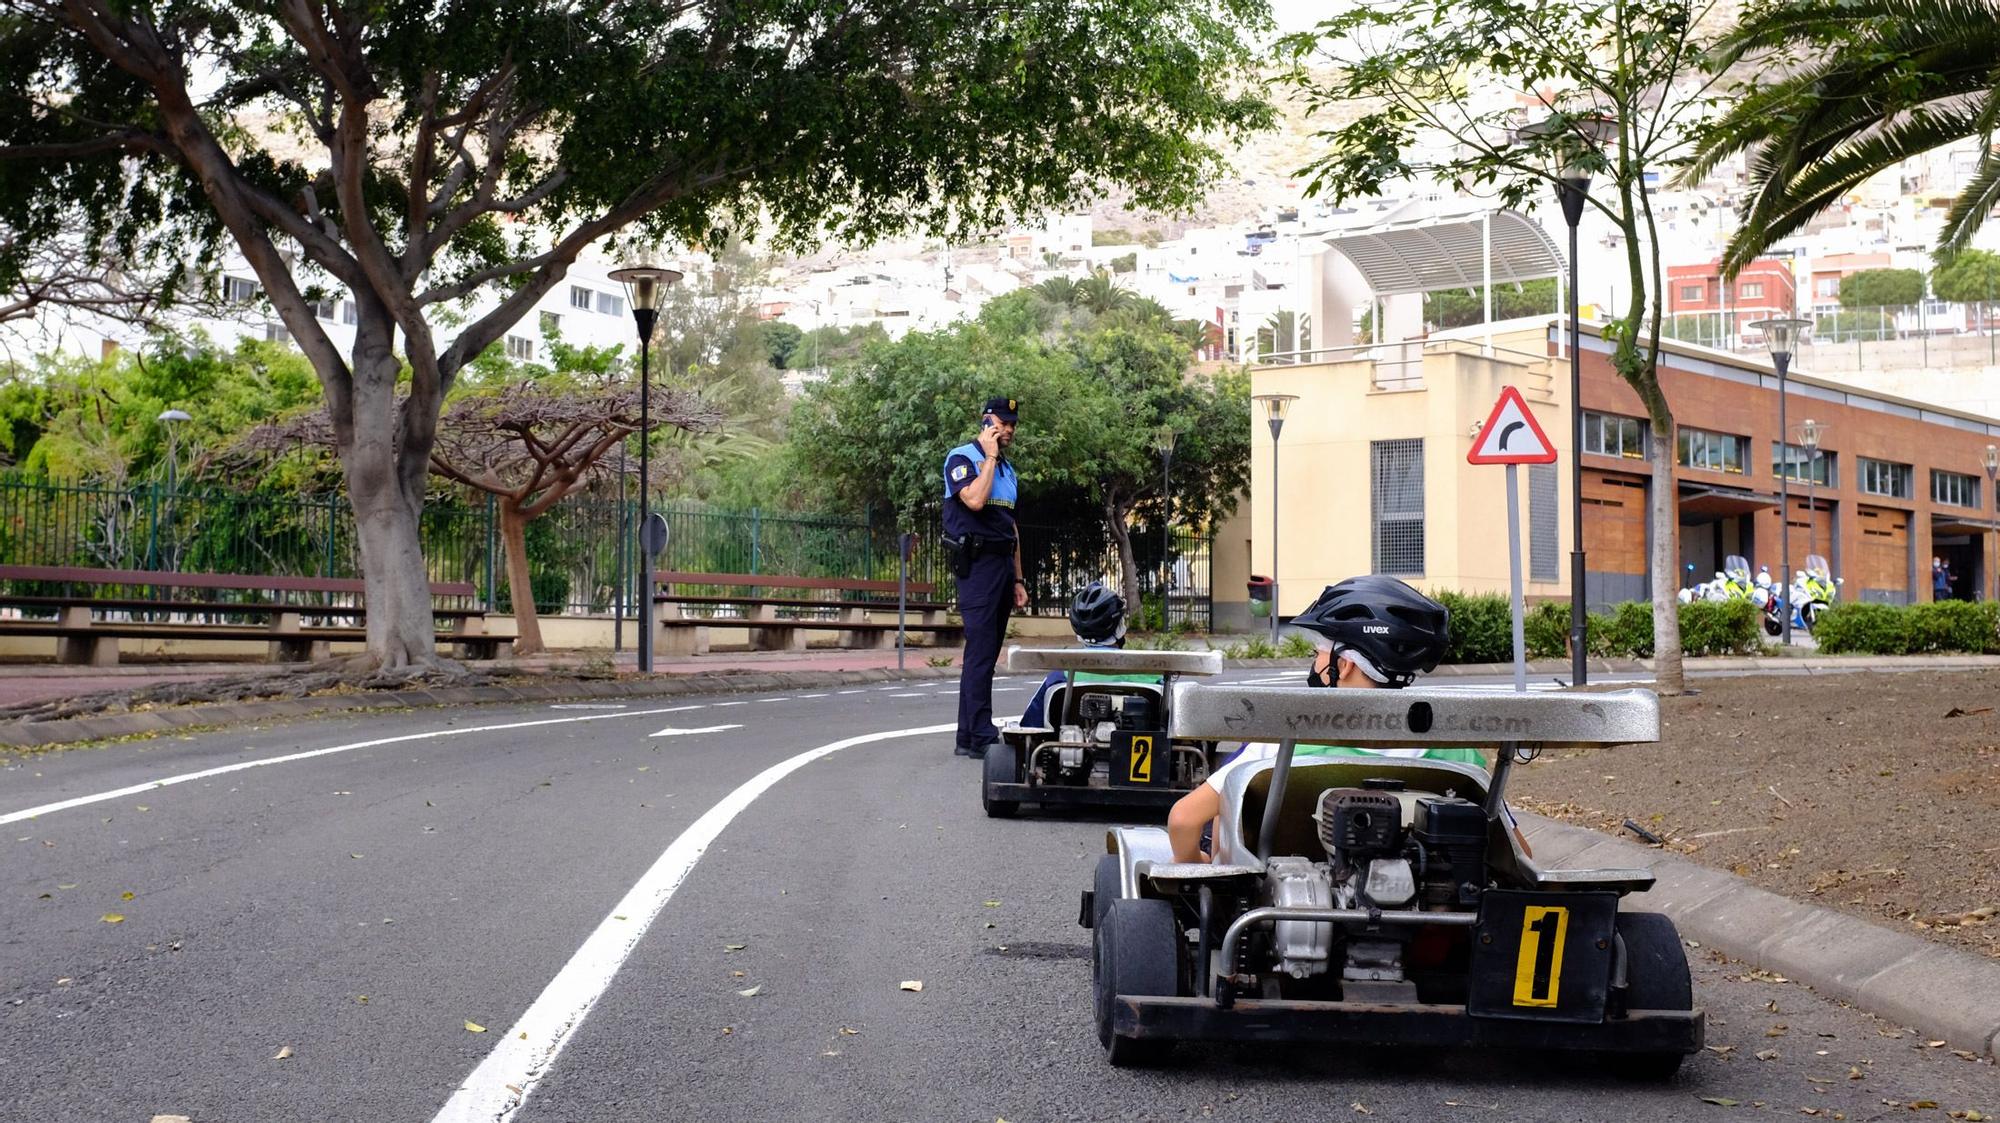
(906, 546)
(1512, 437)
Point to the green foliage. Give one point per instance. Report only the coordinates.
(1256, 647)
(1968, 276)
(1111, 236)
(1707, 628)
(1156, 641)
(1875, 287)
(1482, 627)
(1125, 263)
(1888, 629)
(780, 340)
(1456, 308)
(1546, 630)
(1295, 646)
(1719, 628)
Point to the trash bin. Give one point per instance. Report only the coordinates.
(1260, 597)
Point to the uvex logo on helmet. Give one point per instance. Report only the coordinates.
(1374, 630)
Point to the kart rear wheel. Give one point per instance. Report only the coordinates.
(1656, 978)
(1135, 952)
(1002, 766)
(1105, 887)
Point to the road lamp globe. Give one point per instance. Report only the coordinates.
(1276, 406)
(1782, 335)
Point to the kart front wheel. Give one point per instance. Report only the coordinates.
(1135, 952)
(1001, 767)
(1656, 978)
(1105, 887)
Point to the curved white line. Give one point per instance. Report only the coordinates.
(504, 1080)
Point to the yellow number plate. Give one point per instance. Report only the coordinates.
(1538, 967)
(1142, 760)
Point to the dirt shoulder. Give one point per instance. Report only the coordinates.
(1876, 795)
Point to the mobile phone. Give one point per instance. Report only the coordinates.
(986, 422)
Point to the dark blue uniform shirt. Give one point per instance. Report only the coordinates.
(996, 518)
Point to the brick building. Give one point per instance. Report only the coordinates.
(1764, 289)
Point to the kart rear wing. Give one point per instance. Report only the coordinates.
(1112, 660)
(1403, 718)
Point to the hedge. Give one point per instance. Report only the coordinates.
(1481, 629)
(1917, 629)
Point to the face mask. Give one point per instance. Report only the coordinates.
(1317, 677)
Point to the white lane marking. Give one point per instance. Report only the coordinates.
(588, 706)
(1022, 686)
(530, 1046)
(803, 697)
(912, 694)
(850, 692)
(742, 703)
(672, 732)
(168, 781)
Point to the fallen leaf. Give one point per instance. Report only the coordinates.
(142, 807)
(361, 1000)
(474, 1027)
(911, 984)
(514, 1088)
(846, 1032)
(1776, 1030)
(1923, 1105)
(991, 904)
(66, 886)
(1361, 1108)
(727, 1030)
(752, 992)
(1767, 1054)
(738, 974)
(284, 1054)
(127, 895)
(1854, 1072)
(354, 855)
(1721, 1101)
(734, 947)
(1933, 1044)
(171, 1119)
(645, 768)
(1720, 1050)
(524, 1035)
(1808, 1111)
(113, 918)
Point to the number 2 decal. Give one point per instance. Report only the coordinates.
(1142, 760)
(1538, 971)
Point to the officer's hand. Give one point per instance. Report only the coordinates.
(1020, 595)
(989, 440)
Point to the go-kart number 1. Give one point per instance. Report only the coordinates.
(1538, 971)
(1142, 760)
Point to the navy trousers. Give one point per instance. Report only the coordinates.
(985, 597)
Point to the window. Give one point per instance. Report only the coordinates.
(579, 297)
(326, 309)
(1827, 287)
(236, 290)
(274, 332)
(1753, 290)
(1716, 452)
(1398, 498)
(610, 305)
(1954, 489)
(1544, 525)
(347, 314)
(1883, 477)
(1792, 461)
(1610, 435)
(1694, 292)
(520, 347)
(551, 323)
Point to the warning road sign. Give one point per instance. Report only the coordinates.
(1511, 435)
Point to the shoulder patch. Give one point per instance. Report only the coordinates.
(958, 473)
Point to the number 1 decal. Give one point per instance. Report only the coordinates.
(1142, 760)
(1538, 971)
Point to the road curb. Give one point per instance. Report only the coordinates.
(41, 734)
(1941, 991)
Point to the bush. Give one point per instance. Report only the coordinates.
(1719, 628)
(1546, 630)
(1482, 628)
(1295, 646)
(1890, 629)
(1954, 625)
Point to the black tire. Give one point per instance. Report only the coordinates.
(1105, 888)
(1001, 766)
(1773, 627)
(1136, 951)
(1656, 978)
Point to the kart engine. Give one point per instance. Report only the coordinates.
(1386, 849)
(1101, 718)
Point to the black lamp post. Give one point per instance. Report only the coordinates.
(1992, 461)
(1809, 434)
(643, 283)
(1275, 408)
(1573, 188)
(1783, 335)
(169, 419)
(1164, 441)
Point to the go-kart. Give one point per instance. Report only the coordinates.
(1384, 900)
(1106, 743)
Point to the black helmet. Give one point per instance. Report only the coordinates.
(1401, 631)
(1098, 615)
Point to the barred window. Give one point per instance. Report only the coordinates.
(1954, 489)
(1398, 499)
(1791, 460)
(1544, 524)
(1885, 477)
(1608, 434)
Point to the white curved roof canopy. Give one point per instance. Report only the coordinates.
(1429, 252)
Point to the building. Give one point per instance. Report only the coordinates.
(1379, 442)
(1701, 294)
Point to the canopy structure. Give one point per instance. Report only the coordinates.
(1701, 503)
(1445, 245)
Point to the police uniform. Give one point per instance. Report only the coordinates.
(985, 543)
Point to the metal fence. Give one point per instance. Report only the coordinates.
(583, 555)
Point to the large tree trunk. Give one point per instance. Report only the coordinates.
(520, 584)
(1665, 564)
(388, 500)
(1115, 515)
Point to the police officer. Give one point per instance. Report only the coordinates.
(980, 492)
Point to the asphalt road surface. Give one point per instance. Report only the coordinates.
(713, 924)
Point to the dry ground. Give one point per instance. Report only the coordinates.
(1875, 794)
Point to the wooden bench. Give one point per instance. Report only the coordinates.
(780, 623)
(84, 636)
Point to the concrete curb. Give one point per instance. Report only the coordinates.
(1939, 990)
(1745, 663)
(28, 735)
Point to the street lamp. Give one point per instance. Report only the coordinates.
(1809, 433)
(1992, 462)
(169, 419)
(1275, 408)
(643, 283)
(1783, 335)
(1163, 440)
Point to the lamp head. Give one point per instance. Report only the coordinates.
(1809, 432)
(1276, 405)
(1163, 440)
(169, 416)
(1992, 459)
(1783, 334)
(643, 283)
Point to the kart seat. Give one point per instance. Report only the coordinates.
(1297, 833)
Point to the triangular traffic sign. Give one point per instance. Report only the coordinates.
(1511, 435)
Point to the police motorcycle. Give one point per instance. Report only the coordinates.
(1104, 735)
(1384, 900)
(1816, 590)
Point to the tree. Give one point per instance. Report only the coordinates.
(1285, 333)
(1428, 90)
(1861, 86)
(1968, 277)
(1101, 293)
(1871, 288)
(780, 340)
(418, 153)
(1457, 308)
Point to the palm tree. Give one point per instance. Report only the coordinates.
(1872, 83)
(1058, 290)
(1101, 294)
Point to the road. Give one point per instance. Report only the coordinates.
(684, 929)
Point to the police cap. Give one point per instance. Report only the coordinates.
(1006, 409)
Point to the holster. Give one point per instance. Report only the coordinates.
(963, 551)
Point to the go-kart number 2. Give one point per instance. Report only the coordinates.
(1142, 760)
(1538, 971)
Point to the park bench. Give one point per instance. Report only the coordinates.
(781, 622)
(85, 619)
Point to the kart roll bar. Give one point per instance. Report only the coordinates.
(1112, 660)
(1407, 718)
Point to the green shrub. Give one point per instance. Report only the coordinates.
(1889, 629)
(1718, 628)
(1954, 625)
(1873, 629)
(1295, 646)
(1546, 630)
(1482, 628)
